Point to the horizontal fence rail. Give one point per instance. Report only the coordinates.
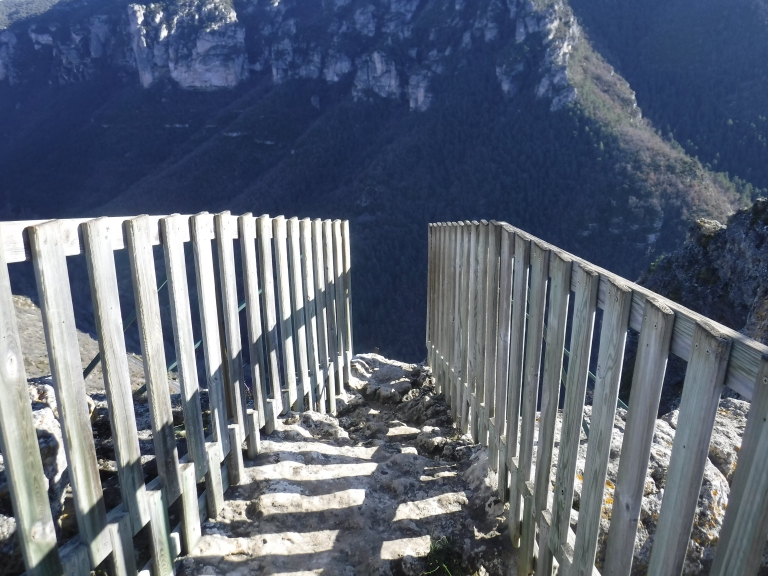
(500, 305)
(295, 279)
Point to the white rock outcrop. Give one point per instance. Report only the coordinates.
(376, 73)
(7, 44)
(199, 44)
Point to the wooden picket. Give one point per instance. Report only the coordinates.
(497, 299)
(313, 294)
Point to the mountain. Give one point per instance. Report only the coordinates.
(391, 113)
(700, 69)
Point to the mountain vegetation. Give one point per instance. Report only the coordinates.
(700, 70)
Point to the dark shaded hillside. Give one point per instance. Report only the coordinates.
(590, 176)
(700, 70)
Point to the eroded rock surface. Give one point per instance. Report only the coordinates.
(385, 488)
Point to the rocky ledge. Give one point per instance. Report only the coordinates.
(721, 271)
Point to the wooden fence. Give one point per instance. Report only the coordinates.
(296, 282)
(498, 304)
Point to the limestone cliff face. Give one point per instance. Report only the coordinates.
(722, 271)
(393, 49)
(197, 44)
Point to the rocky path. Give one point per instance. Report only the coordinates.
(364, 494)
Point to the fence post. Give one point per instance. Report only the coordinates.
(109, 325)
(326, 380)
(254, 316)
(531, 372)
(613, 336)
(63, 351)
(330, 303)
(744, 530)
(481, 281)
(272, 406)
(181, 320)
(234, 349)
(286, 323)
(27, 483)
(703, 384)
(348, 287)
(137, 234)
(584, 307)
(202, 234)
(647, 380)
(491, 336)
(506, 264)
(310, 312)
(304, 386)
(559, 293)
(516, 347)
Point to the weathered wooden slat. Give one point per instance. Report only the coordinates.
(160, 530)
(491, 327)
(331, 315)
(214, 483)
(440, 308)
(745, 528)
(236, 466)
(531, 370)
(479, 433)
(254, 437)
(138, 234)
(190, 523)
(347, 253)
(447, 312)
(465, 256)
(472, 359)
(75, 558)
(230, 311)
(613, 336)
(545, 560)
(253, 314)
(528, 532)
(64, 354)
(310, 309)
(121, 537)
(559, 293)
(458, 327)
(341, 307)
(117, 382)
(506, 267)
(584, 307)
(698, 407)
(516, 347)
(280, 237)
(184, 341)
(304, 385)
(202, 232)
(27, 483)
(534, 337)
(514, 517)
(430, 291)
(273, 408)
(648, 377)
(451, 349)
(325, 377)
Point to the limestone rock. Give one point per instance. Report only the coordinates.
(721, 271)
(376, 73)
(197, 43)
